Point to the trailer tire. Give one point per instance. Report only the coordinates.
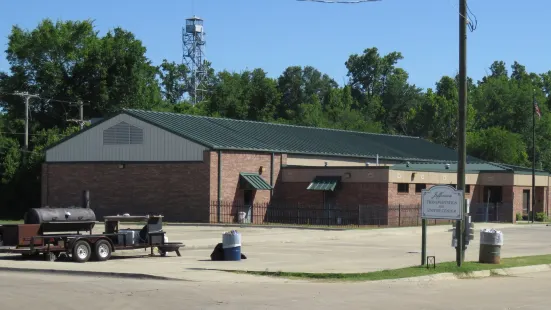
(81, 251)
(102, 251)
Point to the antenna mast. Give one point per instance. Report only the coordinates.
(193, 39)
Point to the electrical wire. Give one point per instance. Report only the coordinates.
(30, 134)
(473, 21)
(340, 1)
(44, 98)
(48, 100)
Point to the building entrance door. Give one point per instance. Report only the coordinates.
(525, 201)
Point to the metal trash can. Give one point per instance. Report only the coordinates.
(231, 243)
(490, 246)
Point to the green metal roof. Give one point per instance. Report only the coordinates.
(521, 170)
(324, 183)
(255, 181)
(471, 167)
(229, 134)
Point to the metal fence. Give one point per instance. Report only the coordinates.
(315, 215)
(393, 216)
(492, 212)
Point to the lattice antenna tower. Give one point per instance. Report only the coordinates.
(193, 39)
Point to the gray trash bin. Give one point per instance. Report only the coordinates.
(490, 246)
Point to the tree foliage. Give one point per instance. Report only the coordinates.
(71, 61)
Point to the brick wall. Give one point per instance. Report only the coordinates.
(518, 201)
(405, 207)
(179, 191)
(347, 196)
(234, 163)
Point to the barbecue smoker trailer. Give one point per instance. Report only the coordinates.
(53, 231)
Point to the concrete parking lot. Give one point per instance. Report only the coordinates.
(281, 249)
(348, 251)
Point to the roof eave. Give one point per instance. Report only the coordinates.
(364, 156)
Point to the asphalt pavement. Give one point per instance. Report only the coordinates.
(53, 292)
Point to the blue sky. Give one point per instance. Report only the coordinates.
(274, 34)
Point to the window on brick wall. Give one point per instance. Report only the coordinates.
(403, 188)
(420, 187)
(467, 188)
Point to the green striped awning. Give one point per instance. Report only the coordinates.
(324, 183)
(254, 181)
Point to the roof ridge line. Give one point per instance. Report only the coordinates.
(276, 124)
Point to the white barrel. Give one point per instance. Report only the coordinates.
(231, 240)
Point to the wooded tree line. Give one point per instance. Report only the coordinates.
(70, 61)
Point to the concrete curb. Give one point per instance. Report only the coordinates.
(258, 226)
(124, 275)
(513, 271)
(428, 278)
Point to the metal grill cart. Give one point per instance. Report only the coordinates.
(53, 231)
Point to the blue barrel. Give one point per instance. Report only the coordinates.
(231, 243)
(232, 254)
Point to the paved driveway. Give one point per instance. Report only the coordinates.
(53, 292)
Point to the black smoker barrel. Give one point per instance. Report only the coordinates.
(62, 219)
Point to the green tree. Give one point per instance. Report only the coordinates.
(174, 81)
(297, 85)
(66, 60)
(498, 145)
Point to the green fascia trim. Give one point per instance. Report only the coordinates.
(324, 183)
(255, 181)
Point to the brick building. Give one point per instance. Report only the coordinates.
(202, 169)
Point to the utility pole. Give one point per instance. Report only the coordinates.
(462, 134)
(27, 98)
(531, 212)
(81, 112)
(80, 121)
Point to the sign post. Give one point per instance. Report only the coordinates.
(440, 202)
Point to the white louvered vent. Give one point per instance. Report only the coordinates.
(122, 134)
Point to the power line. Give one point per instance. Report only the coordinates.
(340, 1)
(28, 96)
(32, 134)
(47, 99)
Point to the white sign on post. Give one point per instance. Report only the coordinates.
(442, 202)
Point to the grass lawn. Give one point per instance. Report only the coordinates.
(5, 222)
(447, 267)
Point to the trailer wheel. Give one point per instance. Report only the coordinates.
(102, 250)
(81, 251)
